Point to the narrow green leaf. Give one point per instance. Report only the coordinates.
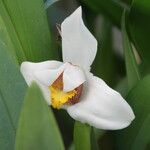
(137, 135)
(37, 129)
(7, 133)
(111, 9)
(94, 139)
(82, 138)
(12, 89)
(133, 75)
(9, 35)
(30, 22)
(139, 23)
(140, 142)
(49, 3)
(4, 37)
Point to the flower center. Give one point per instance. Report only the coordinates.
(59, 97)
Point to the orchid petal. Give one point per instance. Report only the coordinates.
(78, 44)
(73, 77)
(28, 68)
(102, 107)
(48, 76)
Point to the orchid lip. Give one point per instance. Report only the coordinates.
(60, 97)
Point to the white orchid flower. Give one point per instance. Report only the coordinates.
(71, 86)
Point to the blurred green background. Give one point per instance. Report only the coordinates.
(28, 32)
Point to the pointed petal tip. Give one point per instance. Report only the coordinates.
(23, 66)
(132, 116)
(127, 122)
(79, 10)
(25, 71)
(76, 14)
(125, 125)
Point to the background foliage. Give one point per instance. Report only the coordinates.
(28, 32)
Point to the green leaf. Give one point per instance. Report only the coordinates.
(140, 142)
(30, 22)
(37, 129)
(110, 8)
(137, 135)
(9, 36)
(94, 138)
(12, 90)
(7, 132)
(82, 139)
(5, 39)
(133, 75)
(49, 3)
(139, 23)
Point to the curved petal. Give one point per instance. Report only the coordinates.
(48, 76)
(28, 68)
(102, 107)
(78, 44)
(73, 77)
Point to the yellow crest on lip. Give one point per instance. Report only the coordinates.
(59, 97)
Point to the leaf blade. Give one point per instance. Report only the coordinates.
(82, 136)
(12, 89)
(37, 127)
(30, 22)
(7, 137)
(9, 35)
(139, 28)
(133, 74)
(139, 101)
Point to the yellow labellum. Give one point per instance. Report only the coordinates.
(59, 97)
